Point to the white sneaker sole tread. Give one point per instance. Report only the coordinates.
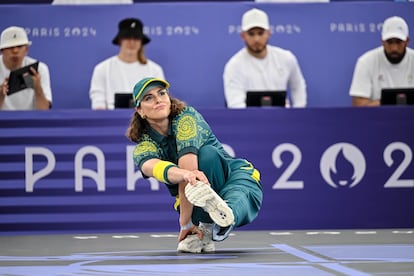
(202, 195)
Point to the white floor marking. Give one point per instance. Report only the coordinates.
(323, 233)
(85, 237)
(365, 232)
(125, 237)
(163, 236)
(403, 232)
(280, 233)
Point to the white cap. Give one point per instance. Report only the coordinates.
(255, 18)
(394, 27)
(13, 36)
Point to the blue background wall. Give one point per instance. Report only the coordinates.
(192, 41)
(321, 168)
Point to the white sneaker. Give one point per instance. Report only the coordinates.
(207, 242)
(202, 195)
(191, 244)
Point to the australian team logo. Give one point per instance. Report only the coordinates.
(342, 165)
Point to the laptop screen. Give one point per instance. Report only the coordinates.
(266, 98)
(397, 96)
(123, 100)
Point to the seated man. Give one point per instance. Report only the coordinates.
(260, 66)
(14, 46)
(388, 66)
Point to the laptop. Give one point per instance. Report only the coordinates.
(397, 96)
(266, 98)
(123, 100)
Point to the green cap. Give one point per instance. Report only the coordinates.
(146, 84)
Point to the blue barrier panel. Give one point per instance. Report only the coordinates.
(322, 168)
(193, 41)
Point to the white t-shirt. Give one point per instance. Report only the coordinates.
(115, 76)
(373, 72)
(24, 99)
(279, 70)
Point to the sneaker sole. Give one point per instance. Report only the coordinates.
(203, 196)
(191, 244)
(208, 247)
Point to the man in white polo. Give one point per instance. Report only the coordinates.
(14, 46)
(388, 66)
(260, 66)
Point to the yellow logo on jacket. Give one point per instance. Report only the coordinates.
(186, 128)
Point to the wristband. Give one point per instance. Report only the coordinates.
(160, 170)
(187, 226)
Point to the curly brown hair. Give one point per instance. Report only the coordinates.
(139, 126)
